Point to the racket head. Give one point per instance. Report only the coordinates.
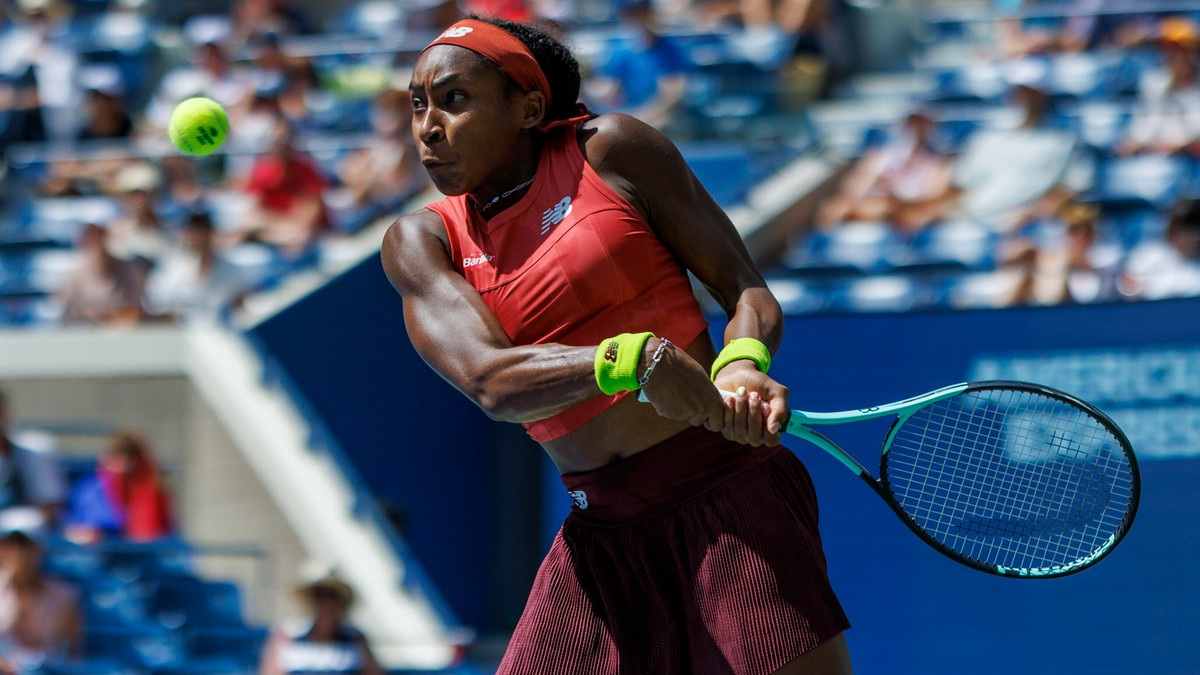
(1012, 478)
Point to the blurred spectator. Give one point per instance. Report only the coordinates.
(192, 281)
(325, 643)
(520, 11)
(102, 289)
(182, 192)
(288, 188)
(288, 81)
(645, 75)
(1012, 176)
(430, 15)
(40, 617)
(125, 497)
(1167, 267)
(138, 233)
(1167, 117)
(898, 181)
(253, 19)
(388, 168)
(1070, 268)
(105, 113)
(32, 485)
(211, 74)
(39, 59)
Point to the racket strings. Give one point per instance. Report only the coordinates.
(1012, 478)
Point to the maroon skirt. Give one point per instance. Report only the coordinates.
(697, 555)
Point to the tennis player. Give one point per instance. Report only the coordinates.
(549, 286)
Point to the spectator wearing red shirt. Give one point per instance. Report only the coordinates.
(510, 10)
(287, 187)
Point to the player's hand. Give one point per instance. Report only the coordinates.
(757, 412)
(679, 388)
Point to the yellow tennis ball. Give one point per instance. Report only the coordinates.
(198, 126)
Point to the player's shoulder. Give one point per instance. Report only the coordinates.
(418, 224)
(413, 244)
(618, 139)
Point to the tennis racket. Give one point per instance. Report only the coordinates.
(1010, 478)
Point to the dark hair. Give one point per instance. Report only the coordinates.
(557, 62)
(1185, 215)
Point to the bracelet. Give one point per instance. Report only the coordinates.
(742, 348)
(616, 362)
(663, 345)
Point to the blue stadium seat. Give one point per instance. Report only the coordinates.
(92, 666)
(148, 644)
(953, 243)
(374, 18)
(243, 643)
(723, 168)
(881, 293)
(195, 603)
(868, 246)
(79, 564)
(797, 296)
(151, 561)
(1101, 124)
(1154, 181)
(108, 600)
(213, 665)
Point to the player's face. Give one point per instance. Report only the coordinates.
(467, 122)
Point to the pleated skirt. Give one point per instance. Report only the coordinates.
(697, 555)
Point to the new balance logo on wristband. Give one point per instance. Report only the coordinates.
(555, 214)
(480, 259)
(610, 352)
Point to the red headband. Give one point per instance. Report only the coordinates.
(502, 48)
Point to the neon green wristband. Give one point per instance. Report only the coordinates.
(742, 348)
(617, 361)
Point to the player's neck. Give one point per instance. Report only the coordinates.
(508, 187)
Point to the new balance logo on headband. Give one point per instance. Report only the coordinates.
(555, 214)
(460, 31)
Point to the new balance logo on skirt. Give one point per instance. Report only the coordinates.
(579, 497)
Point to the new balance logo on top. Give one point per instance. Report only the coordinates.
(461, 31)
(477, 260)
(555, 214)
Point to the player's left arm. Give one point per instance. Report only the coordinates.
(648, 169)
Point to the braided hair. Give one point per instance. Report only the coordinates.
(557, 62)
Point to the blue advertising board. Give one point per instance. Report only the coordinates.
(915, 611)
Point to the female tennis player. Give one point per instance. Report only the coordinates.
(549, 286)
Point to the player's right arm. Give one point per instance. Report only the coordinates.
(457, 334)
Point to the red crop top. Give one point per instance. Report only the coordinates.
(571, 263)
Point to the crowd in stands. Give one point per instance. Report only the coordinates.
(106, 224)
(95, 576)
(1038, 115)
(1053, 161)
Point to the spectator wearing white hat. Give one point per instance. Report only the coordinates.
(325, 643)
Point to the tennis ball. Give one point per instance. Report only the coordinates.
(198, 126)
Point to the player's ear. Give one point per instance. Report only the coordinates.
(535, 109)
